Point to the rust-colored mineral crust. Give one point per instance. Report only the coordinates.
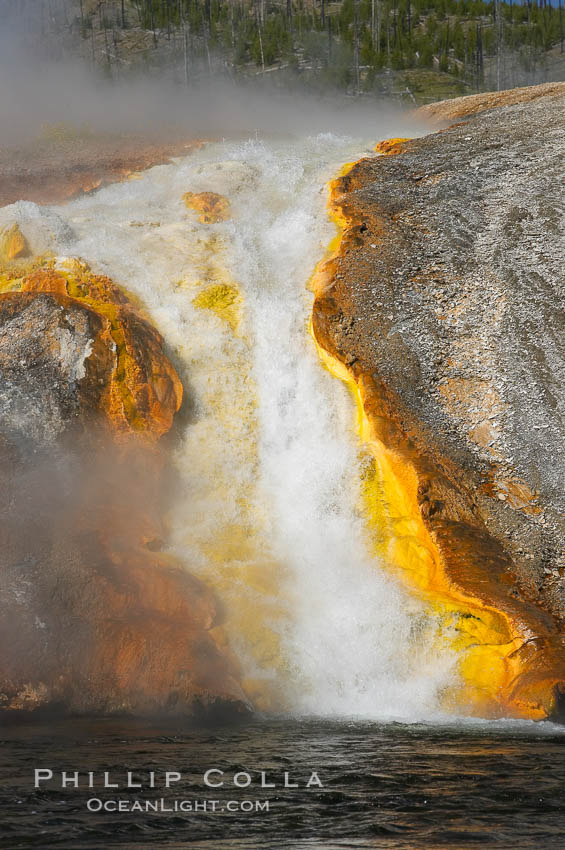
(211, 206)
(13, 244)
(63, 164)
(443, 308)
(460, 107)
(94, 617)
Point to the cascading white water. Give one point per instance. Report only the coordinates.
(267, 508)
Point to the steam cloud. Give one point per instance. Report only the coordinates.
(42, 86)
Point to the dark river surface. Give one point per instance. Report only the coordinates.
(459, 785)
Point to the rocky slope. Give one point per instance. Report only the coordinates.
(445, 301)
(473, 104)
(93, 617)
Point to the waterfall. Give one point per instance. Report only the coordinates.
(266, 504)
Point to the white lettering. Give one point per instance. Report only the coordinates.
(171, 776)
(207, 777)
(42, 775)
(107, 783)
(314, 780)
(131, 783)
(264, 783)
(69, 779)
(287, 783)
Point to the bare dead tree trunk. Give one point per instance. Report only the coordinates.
(356, 46)
(152, 22)
(257, 18)
(106, 46)
(498, 14)
(186, 29)
(116, 65)
(480, 58)
(379, 24)
(208, 50)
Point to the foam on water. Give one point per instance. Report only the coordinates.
(267, 506)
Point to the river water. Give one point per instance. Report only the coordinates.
(463, 785)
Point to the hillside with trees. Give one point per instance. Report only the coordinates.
(420, 50)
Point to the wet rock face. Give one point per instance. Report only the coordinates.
(93, 616)
(448, 299)
(45, 345)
